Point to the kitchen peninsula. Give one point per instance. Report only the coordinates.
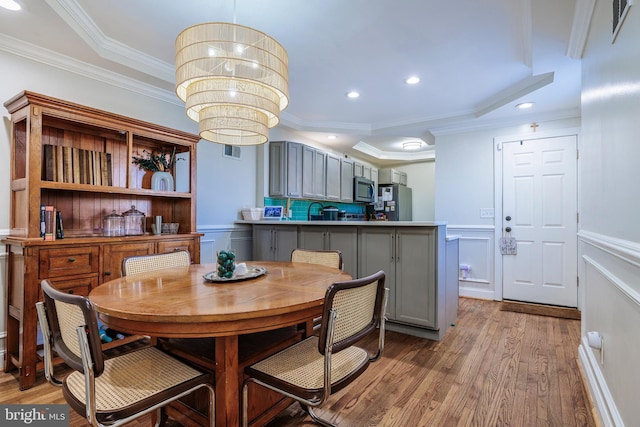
(419, 259)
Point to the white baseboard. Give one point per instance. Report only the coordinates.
(601, 397)
(477, 293)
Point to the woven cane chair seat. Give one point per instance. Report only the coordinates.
(129, 379)
(302, 366)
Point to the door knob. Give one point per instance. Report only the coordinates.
(508, 229)
(507, 218)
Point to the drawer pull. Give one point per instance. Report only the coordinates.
(70, 291)
(72, 259)
(107, 273)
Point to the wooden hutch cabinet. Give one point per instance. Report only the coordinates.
(84, 258)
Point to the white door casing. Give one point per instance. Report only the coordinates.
(539, 194)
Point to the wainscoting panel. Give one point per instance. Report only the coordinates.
(217, 238)
(3, 302)
(609, 276)
(476, 250)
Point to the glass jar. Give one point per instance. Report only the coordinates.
(113, 225)
(133, 222)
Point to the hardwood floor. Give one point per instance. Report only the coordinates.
(494, 368)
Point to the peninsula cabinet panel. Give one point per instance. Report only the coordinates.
(344, 239)
(80, 160)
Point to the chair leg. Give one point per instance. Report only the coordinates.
(316, 418)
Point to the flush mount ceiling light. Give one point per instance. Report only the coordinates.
(233, 80)
(524, 105)
(10, 5)
(412, 80)
(352, 94)
(331, 137)
(411, 145)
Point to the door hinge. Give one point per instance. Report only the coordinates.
(578, 281)
(577, 154)
(577, 217)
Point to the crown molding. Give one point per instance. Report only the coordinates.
(412, 156)
(513, 92)
(47, 57)
(580, 28)
(73, 14)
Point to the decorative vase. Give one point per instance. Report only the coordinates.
(162, 181)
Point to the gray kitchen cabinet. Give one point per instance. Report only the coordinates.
(344, 239)
(346, 180)
(374, 178)
(415, 275)
(285, 169)
(360, 169)
(274, 242)
(313, 173)
(392, 176)
(333, 178)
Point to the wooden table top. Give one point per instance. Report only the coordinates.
(179, 302)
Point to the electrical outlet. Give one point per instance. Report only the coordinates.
(486, 212)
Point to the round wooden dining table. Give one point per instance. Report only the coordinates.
(181, 303)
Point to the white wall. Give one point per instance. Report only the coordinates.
(464, 177)
(421, 178)
(609, 245)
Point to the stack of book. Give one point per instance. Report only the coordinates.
(50, 223)
(77, 166)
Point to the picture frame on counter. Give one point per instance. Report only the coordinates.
(273, 213)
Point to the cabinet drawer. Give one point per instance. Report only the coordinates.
(73, 286)
(176, 245)
(68, 261)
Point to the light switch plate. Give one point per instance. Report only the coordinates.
(486, 212)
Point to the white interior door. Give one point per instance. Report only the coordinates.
(539, 204)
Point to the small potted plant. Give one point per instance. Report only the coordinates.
(161, 163)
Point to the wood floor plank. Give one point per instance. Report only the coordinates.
(494, 368)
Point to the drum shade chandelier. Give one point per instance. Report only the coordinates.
(233, 80)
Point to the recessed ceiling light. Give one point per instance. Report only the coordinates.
(412, 80)
(10, 4)
(353, 94)
(411, 145)
(525, 105)
(331, 137)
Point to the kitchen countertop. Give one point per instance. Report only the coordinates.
(351, 223)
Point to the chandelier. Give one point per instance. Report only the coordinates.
(233, 80)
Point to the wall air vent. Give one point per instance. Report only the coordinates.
(232, 151)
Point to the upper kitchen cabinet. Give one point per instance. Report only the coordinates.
(333, 177)
(392, 176)
(346, 180)
(285, 169)
(313, 173)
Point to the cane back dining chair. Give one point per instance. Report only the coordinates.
(147, 263)
(109, 392)
(311, 370)
(329, 258)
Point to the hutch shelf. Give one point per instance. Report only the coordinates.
(83, 193)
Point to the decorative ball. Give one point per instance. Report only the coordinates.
(226, 264)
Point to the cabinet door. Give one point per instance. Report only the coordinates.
(415, 299)
(312, 237)
(277, 169)
(374, 178)
(344, 239)
(333, 177)
(115, 253)
(263, 243)
(319, 178)
(377, 252)
(308, 172)
(285, 241)
(346, 180)
(294, 169)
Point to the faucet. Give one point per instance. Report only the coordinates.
(309, 210)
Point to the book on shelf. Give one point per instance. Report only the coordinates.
(59, 228)
(76, 165)
(49, 223)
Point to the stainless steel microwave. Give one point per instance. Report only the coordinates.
(363, 190)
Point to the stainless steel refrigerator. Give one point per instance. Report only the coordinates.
(394, 201)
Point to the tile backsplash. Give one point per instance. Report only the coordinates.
(300, 207)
